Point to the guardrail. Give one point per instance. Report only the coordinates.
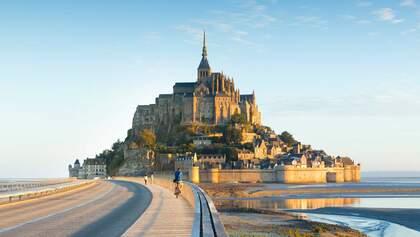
(206, 220)
(210, 224)
(29, 194)
(23, 185)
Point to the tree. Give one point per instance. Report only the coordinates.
(147, 138)
(238, 119)
(232, 135)
(287, 138)
(231, 154)
(113, 157)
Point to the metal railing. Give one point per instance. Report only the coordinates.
(24, 185)
(43, 190)
(206, 220)
(210, 224)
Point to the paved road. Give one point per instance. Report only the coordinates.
(167, 216)
(106, 208)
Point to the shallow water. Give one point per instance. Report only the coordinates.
(390, 201)
(371, 227)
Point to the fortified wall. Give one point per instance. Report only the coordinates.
(281, 174)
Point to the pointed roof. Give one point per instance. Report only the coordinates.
(204, 64)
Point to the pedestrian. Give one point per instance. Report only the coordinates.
(177, 181)
(145, 179)
(151, 178)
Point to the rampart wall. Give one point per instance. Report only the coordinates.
(281, 174)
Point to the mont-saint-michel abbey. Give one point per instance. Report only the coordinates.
(234, 118)
(212, 100)
(215, 134)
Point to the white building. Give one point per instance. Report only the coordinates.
(92, 168)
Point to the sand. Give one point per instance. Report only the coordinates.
(407, 217)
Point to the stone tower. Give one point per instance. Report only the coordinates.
(204, 69)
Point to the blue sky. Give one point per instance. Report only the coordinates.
(343, 76)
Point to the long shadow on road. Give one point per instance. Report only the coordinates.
(122, 217)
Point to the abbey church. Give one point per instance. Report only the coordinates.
(211, 100)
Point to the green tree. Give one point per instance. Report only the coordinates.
(238, 119)
(231, 154)
(232, 135)
(113, 157)
(147, 138)
(287, 138)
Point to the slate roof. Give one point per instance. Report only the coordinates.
(204, 64)
(346, 160)
(96, 161)
(247, 97)
(165, 95)
(185, 85)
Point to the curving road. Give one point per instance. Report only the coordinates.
(105, 208)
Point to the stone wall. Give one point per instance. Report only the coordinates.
(241, 176)
(282, 174)
(291, 174)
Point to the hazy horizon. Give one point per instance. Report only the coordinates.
(343, 77)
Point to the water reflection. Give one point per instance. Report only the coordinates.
(312, 203)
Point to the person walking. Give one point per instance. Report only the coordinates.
(177, 181)
(145, 179)
(151, 178)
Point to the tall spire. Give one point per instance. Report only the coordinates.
(204, 54)
(204, 70)
(204, 64)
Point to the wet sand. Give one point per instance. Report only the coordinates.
(258, 222)
(272, 190)
(407, 217)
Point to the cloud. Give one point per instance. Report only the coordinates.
(381, 101)
(388, 15)
(194, 32)
(408, 3)
(236, 24)
(354, 19)
(364, 4)
(409, 31)
(312, 21)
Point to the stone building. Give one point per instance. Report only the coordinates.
(185, 162)
(211, 160)
(202, 141)
(260, 149)
(211, 100)
(92, 168)
(75, 170)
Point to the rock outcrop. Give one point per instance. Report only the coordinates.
(137, 162)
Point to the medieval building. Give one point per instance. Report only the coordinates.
(211, 100)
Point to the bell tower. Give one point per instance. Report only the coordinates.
(204, 69)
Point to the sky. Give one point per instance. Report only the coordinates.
(343, 76)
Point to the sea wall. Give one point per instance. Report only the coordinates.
(237, 175)
(281, 174)
(291, 174)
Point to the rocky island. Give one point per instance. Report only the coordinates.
(214, 133)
